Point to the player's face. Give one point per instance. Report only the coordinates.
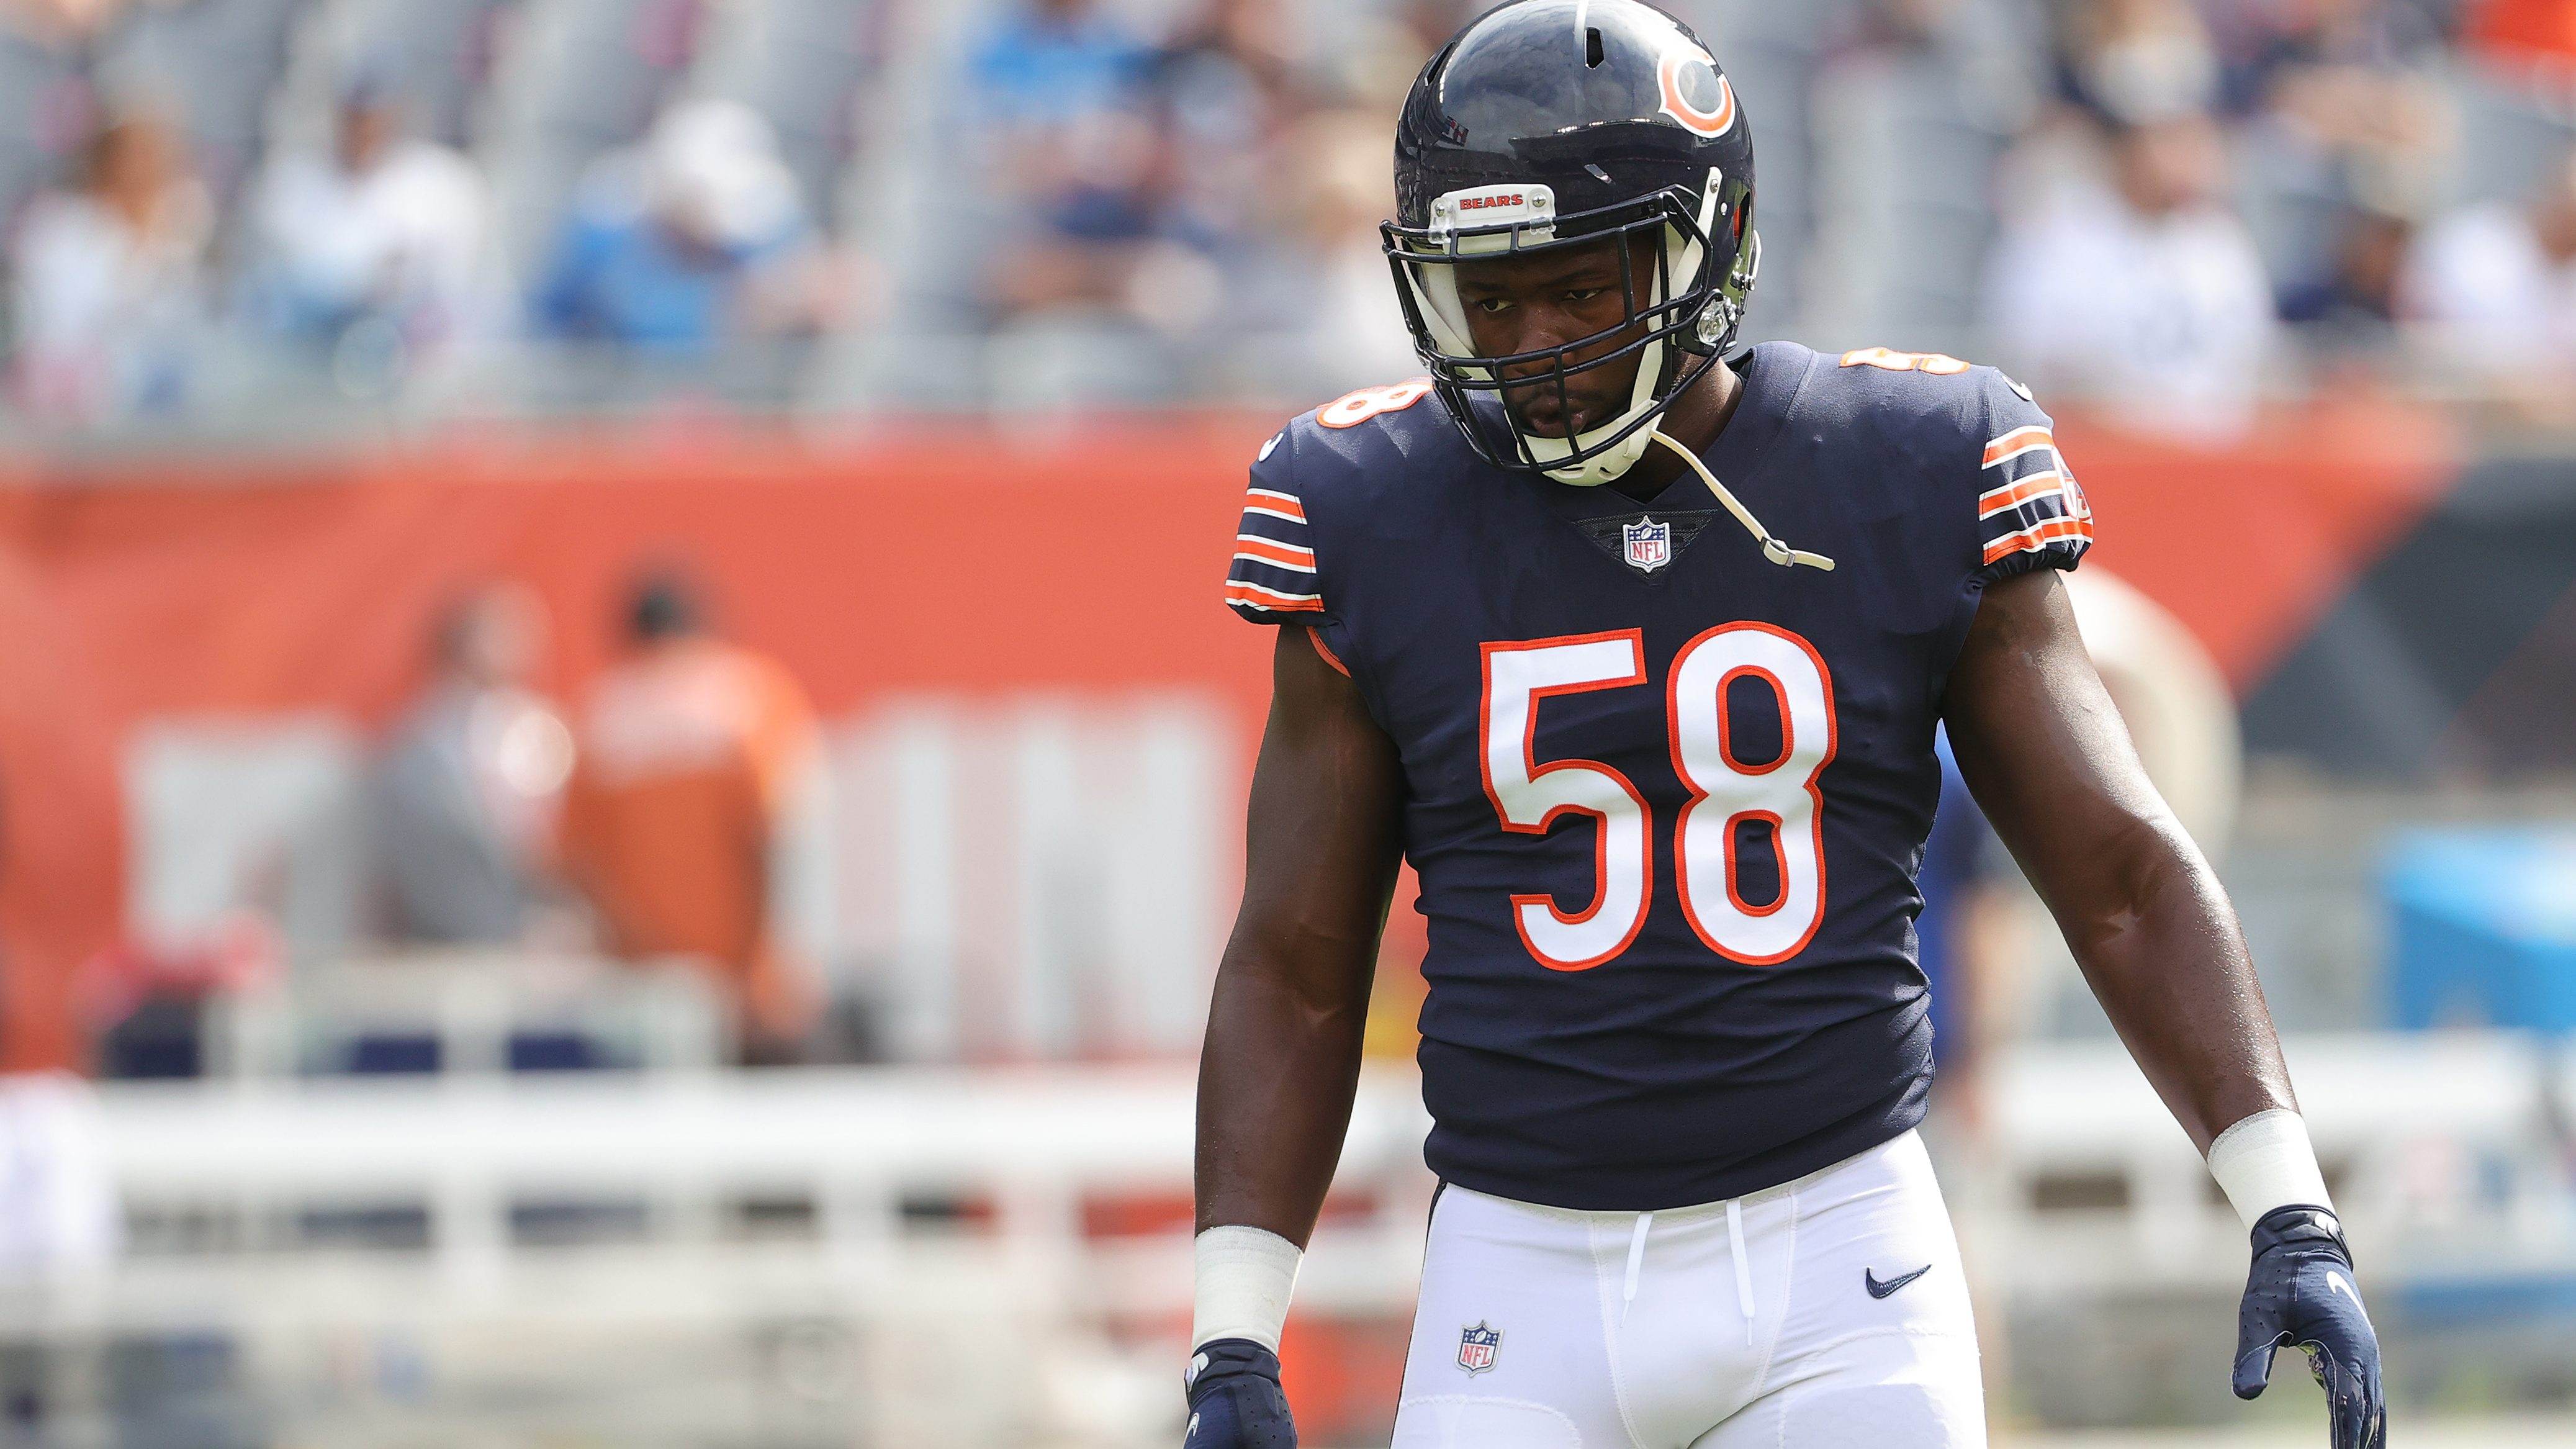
(1550, 299)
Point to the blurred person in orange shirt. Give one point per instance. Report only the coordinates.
(691, 754)
(472, 779)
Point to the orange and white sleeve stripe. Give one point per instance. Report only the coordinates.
(1273, 571)
(2030, 501)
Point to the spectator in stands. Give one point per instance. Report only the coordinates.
(2353, 307)
(2130, 281)
(2494, 286)
(1352, 326)
(1220, 98)
(380, 251)
(696, 239)
(692, 754)
(2340, 68)
(472, 780)
(1049, 63)
(109, 280)
(1068, 146)
(2136, 60)
(2346, 134)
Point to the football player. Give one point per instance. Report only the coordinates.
(1635, 649)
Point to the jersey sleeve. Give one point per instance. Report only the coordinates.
(2031, 513)
(1273, 578)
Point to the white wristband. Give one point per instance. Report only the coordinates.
(1244, 1278)
(2265, 1162)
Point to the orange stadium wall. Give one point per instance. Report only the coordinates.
(1058, 563)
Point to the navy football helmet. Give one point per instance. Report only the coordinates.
(1562, 123)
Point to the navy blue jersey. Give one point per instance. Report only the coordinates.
(1667, 799)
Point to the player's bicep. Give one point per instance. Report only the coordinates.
(2039, 741)
(1321, 833)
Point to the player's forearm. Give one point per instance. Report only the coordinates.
(1276, 1079)
(2165, 957)
(2044, 751)
(1291, 1002)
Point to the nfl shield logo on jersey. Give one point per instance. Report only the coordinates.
(1477, 1347)
(1648, 544)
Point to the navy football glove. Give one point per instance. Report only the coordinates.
(1235, 1402)
(2301, 1294)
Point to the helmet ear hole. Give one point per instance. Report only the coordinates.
(1592, 48)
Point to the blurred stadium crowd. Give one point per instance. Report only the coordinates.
(260, 215)
(505, 750)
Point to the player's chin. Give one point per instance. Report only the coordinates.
(1539, 412)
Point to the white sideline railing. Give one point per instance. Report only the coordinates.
(2441, 1148)
(1028, 1147)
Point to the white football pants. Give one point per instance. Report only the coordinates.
(1768, 1320)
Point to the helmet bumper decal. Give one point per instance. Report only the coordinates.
(1475, 212)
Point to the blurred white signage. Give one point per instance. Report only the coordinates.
(232, 814)
(1014, 877)
(1039, 877)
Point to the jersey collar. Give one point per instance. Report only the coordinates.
(1772, 381)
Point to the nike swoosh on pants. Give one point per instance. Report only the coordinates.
(1878, 1289)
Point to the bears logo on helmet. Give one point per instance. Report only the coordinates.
(1684, 70)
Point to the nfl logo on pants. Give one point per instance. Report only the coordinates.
(1648, 544)
(1476, 1348)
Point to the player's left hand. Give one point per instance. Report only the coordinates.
(2301, 1294)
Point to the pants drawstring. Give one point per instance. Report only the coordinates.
(1735, 1248)
(1636, 1260)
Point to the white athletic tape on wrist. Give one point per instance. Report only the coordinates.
(2265, 1162)
(1245, 1276)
